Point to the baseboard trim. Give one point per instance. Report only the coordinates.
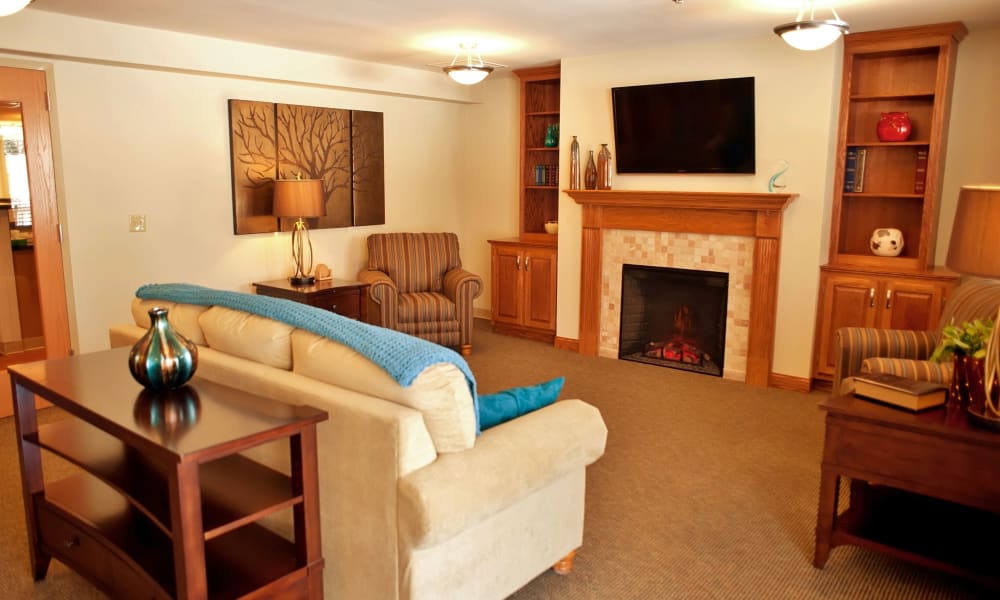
(790, 383)
(567, 344)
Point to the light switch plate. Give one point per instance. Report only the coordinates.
(137, 223)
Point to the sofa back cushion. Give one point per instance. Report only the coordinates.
(182, 317)
(440, 392)
(416, 262)
(248, 336)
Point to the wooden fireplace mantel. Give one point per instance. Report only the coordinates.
(721, 213)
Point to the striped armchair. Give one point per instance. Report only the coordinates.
(906, 353)
(418, 286)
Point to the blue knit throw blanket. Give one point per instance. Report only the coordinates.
(400, 355)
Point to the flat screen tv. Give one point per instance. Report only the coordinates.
(686, 127)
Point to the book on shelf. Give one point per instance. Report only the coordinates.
(850, 168)
(911, 394)
(547, 175)
(920, 179)
(859, 174)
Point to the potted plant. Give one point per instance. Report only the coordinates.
(966, 345)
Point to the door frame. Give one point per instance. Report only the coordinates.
(30, 85)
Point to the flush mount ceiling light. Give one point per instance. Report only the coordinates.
(9, 7)
(468, 67)
(812, 33)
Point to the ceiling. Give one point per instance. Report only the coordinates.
(517, 33)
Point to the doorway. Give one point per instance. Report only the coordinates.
(34, 322)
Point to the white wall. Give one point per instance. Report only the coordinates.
(973, 153)
(796, 99)
(145, 139)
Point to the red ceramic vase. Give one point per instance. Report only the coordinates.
(893, 127)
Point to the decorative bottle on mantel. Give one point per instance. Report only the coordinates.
(574, 165)
(604, 168)
(590, 177)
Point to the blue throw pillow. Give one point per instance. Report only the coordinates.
(509, 404)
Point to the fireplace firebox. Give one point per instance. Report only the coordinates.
(674, 318)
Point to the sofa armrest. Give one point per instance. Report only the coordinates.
(384, 294)
(508, 462)
(852, 345)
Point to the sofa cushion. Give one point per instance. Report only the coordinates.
(183, 317)
(248, 336)
(421, 307)
(440, 392)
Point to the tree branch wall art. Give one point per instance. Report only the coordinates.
(344, 148)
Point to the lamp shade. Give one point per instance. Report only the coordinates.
(973, 249)
(299, 198)
(811, 35)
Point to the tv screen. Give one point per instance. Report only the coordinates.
(687, 127)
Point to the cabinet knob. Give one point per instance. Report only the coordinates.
(517, 263)
(888, 298)
(871, 297)
(527, 261)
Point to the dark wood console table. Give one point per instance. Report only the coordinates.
(925, 487)
(166, 507)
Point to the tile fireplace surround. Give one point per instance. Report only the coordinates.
(724, 217)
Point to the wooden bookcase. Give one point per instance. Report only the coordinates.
(909, 70)
(539, 109)
(523, 269)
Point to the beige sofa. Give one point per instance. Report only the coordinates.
(414, 505)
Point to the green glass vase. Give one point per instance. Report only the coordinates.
(162, 359)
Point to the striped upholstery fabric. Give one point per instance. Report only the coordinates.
(906, 353)
(418, 286)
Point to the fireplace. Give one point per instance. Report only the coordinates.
(674, 318)
(741, 214)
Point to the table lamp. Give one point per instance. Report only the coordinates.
(300, 199)
(973, 251)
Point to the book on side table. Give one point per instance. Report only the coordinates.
(911, 394)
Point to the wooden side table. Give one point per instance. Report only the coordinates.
(925, 487)
(165, 505)
(347, 298)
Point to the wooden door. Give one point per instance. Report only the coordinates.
(28, 87)
(910, 304)
(845, 301)
(508, 285)
(540, 288)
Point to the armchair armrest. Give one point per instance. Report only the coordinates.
(852, 345)
(461, 285)
(384, 294)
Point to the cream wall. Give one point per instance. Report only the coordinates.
(973, 154)
(150, 136)
(796, 99)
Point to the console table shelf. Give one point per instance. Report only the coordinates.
(166, 508)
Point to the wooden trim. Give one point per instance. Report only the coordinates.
(790, 383)
(722, 213)
(561, 343)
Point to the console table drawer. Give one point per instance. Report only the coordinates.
(73, 546)
(940, 466)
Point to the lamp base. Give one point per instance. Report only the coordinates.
(302, 280)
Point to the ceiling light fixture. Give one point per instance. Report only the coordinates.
(9, 7)
(468, 67)
(812, 33)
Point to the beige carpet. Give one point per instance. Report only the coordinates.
(708, 489)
